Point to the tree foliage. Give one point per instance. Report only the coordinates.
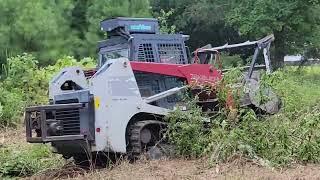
(35, 26)
(99, 10)
(52, 29)
(294, 23)
(204, 20)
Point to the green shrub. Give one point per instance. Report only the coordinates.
(26, 161)
(288, 137)
(185, 129)
(13, 104)
(24, 83)
(67, 61)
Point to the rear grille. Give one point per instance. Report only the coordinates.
(145, 53)
(67, 101)
(171, 53)
(70, 119)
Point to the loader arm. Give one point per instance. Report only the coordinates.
(200, 73)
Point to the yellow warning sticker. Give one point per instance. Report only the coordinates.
(96, 102)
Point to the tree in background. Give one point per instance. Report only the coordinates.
(102, 9)
(294, 23)
(203, 20)
(52, 29)
(35, 26)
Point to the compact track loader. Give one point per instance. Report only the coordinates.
(120, 106)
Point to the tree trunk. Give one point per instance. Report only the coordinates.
(279, 51)
(277, 60)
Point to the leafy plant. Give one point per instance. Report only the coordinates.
(26, 161)
(163, 20)
(288, 137)
(186, 130)
(25, 84)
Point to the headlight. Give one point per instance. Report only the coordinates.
(55, 129)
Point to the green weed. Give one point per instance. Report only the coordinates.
(26, 161)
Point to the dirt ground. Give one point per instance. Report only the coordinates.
(170, 169)
(197, 169)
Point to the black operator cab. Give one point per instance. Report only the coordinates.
(139, 39)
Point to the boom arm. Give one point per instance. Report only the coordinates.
(200, 73)
(262, 44)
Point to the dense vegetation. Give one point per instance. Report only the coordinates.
(49, 30)
(24, 83)
(52, 29)
(291, 136)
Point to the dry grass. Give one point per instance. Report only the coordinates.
(198, 169)
(66, 172)
(13, 137)
(237, 168)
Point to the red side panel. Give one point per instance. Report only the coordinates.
(200, 73)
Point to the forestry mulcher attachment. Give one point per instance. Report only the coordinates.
(120, 106)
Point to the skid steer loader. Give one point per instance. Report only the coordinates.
(120, 106)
